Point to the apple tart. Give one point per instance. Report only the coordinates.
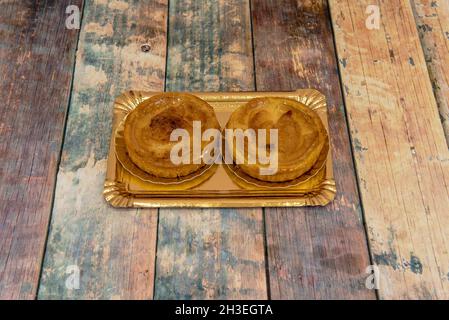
(301, 137)
(148, 128)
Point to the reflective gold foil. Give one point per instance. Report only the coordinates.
(217, 185)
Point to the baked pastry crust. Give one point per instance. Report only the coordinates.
(149, 126)
(301, 136)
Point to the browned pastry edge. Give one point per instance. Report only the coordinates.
(148, 127)
(261, 109)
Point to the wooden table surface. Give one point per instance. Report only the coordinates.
(387, 85)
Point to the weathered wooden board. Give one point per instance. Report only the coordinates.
(113, 249)
(432, 19)
(210, 254)
(34, 94)
(315, 252)
(400, 150)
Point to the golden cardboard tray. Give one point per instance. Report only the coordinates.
(220, 185)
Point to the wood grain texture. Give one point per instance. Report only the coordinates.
(400, 150)
(432, 19)
(210, 254)
(34, 95)
(314, 253)
(114, 249)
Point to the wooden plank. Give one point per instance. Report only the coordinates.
(113, 249)
(210, 254)
(400, 150)
(313, 253)
(432, 19)
(37, 53)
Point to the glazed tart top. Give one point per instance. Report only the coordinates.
(149, 126)
(301, 136)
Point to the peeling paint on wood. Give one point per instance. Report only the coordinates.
(114, 249)
(314, 253)
(393, 113)
(37, 53)
(210, 254)
(432, 19)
